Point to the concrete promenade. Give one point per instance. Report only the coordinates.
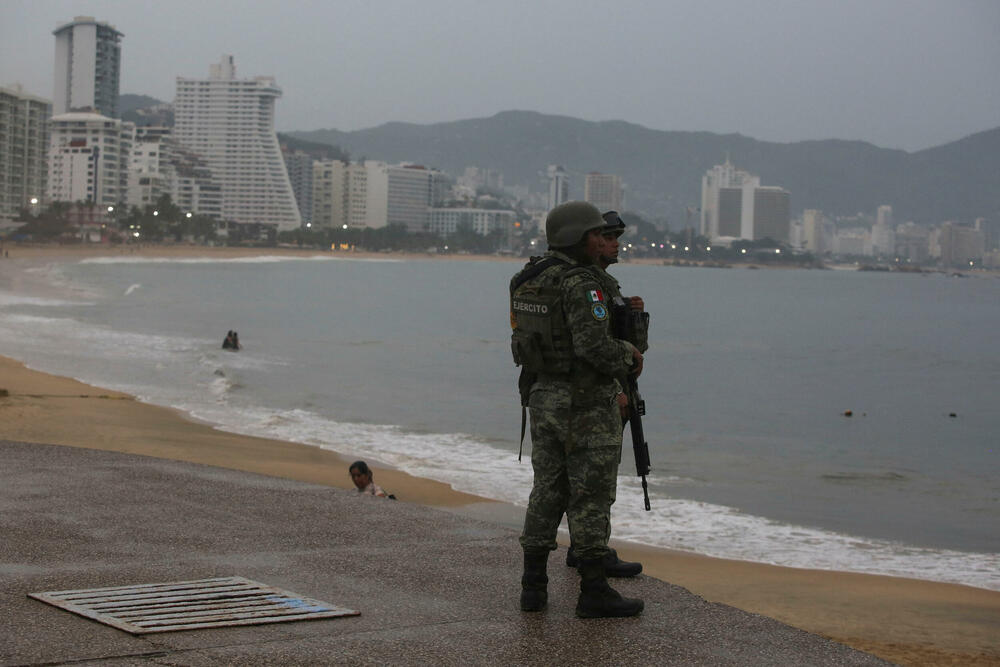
(433, 587)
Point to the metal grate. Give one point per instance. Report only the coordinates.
(190, 605)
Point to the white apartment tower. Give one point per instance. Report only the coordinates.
(883, 233)
(735, 205)
(89, 159)
(722, 200)
(159, 166)
(24, 145)
(558, 186)
(87, 67)
(299, 165)
(328, 193)
(230, 122)
(812, 230)
(410, 194)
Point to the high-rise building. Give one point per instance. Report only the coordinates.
(446, 221)
(960, 245)
(855, 241)
(883, 215)
(480, 177)
(912, 242)
(812, 230)
(87, 67)
(89, 159)
(300, 174)
(366, 194)
(558, 186)
(771, 215)
(883, 232)
(410, 193)
(160, 166)
(24, 146)
(722, 200)
(328, 193)
(735, 205)
(230, 123)
(991, 233)
(150, 171)
(374, 194)
(605, 191)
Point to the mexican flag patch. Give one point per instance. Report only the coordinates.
(596, 296)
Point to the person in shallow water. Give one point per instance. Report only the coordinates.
(362, 475)
(232, 341)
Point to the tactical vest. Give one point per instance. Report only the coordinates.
(540, 340)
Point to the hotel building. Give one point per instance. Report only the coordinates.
(87, 67)
(558, 186)
(735, 205)
(230, 123)
(24, 145)
(605, 191)
(89, 159)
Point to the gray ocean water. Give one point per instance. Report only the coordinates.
(747, 379)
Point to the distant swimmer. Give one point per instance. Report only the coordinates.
(232, 341)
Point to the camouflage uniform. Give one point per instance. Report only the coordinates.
(575, 423)
(611, 288)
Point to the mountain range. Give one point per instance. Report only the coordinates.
(662, 170)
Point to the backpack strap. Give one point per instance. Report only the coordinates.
(532, 270)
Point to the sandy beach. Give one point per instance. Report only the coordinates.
(903, 620)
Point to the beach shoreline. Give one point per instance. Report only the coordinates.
(904, 620)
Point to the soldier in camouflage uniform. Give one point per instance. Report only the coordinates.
(613, 228)
(562, 340)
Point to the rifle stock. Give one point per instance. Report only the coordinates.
(624, 321)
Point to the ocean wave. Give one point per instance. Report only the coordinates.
(864, 477)
(220, 387)
(464, 462)
(7, 299)
(54, 275)
(259, 259)
(469, 465)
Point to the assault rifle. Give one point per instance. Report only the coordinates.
(624, 322)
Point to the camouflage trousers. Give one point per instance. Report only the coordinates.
(575, 450)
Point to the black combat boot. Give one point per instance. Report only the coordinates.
(534, 581)
(597, 599)
(613, 566)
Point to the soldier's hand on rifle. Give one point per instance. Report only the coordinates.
(636, 362)
(623, 404)
(636, 303)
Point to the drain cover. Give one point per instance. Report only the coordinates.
(190, 605)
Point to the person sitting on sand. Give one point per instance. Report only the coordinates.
(362, 475)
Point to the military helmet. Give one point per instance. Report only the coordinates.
(613, 223)
(567, 223)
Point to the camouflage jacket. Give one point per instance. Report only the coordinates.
(599, 358)
(611, 290)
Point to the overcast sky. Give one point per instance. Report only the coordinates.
(899, 73)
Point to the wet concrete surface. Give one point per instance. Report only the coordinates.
(433, 587)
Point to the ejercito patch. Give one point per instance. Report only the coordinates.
(599, 311)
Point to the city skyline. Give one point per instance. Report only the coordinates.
(897, 74)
